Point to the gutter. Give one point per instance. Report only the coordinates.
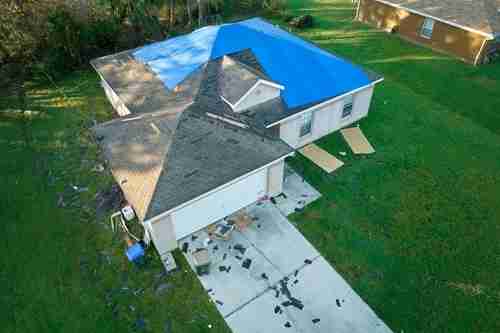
(317, 106)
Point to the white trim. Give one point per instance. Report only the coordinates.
(260, 81)
(480, 51)
(489, 35)
(227, 102)
(227, 120)
(204, 195)
(272, 84)
(423, 28)
(249, 91)
(317, 106)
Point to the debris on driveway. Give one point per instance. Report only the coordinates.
(241, 248)
(246, 263)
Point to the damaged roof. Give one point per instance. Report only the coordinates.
(183, 141)
(161, 160)
(480, 15)
(287, 59)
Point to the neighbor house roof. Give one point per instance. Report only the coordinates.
(182, 139)
(479, 15)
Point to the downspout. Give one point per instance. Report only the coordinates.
(478, 56)
(357, 10)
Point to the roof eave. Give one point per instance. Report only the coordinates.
(457, 25)
(328, 101)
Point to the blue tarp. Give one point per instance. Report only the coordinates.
(308, 73)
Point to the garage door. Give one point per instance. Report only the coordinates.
(220, 204)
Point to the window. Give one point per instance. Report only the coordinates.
(306, 126)
(347, 109)
(427, 28)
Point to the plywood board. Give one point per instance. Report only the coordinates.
(357, 141)
(321, 158)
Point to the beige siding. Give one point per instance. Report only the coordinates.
(461, 43)
(326, 119)
(275, 179)
(163, 235)
(262, 93)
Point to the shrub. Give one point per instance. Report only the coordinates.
(71, 44)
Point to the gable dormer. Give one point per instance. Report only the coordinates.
(242, 87)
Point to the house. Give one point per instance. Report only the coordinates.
(469, 30)
(207, 119)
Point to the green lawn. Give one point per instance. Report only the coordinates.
(414, 228)
(62, 270)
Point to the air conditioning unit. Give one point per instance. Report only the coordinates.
(128, 213)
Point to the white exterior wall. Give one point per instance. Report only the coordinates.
(115, 101)
(163, 234)
(275, 179)
(262, 93)
(169, 229)
(326, 119)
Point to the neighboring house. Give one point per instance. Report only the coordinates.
(208, 118)
(469, 30)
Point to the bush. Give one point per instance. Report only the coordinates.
(302, 22)
(63, 41)
(71, 44)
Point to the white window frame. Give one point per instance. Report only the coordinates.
(427, 28)
(305, 128)
(348, 106)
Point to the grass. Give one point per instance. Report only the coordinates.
(62, 269)
(414, 228)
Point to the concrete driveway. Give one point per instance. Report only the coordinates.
(288, 287)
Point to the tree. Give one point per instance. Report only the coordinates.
(172, 13)
(200, 13)
(188, 8)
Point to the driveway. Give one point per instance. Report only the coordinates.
(288, 287)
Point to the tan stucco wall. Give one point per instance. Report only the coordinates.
(326, 119)
(275, 179)
(446, 38)
(261, 94)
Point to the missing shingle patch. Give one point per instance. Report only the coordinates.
(233, 141)
(190, 174)
(197, 140)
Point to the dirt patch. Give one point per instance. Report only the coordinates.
(312, 215)
(109, 200)
(468, 289)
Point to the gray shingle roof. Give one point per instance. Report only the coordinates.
(161, 160)
(481, 15)
(235, 79)
(168, 150)
(171, 148)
